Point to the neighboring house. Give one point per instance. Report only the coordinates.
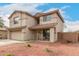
(42, 26)
(3, 33)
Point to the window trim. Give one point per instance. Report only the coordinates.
(15, 20)
(46, 18)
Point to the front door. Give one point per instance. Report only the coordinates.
(46, 34)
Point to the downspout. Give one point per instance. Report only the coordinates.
(55, 34)
(21, 19)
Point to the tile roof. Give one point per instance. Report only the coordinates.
(39, 14)
(43, 26)
(49, 13)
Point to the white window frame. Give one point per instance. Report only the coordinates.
(47, 18)
(16, 20)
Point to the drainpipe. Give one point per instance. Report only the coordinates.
(21, 19)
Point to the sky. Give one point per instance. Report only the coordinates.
(69, 11)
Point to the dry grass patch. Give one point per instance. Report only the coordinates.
(48, 50)
(8, 54)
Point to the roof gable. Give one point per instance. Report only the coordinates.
(49, 13)
(19, 12)
(40, 14)
(43, 26)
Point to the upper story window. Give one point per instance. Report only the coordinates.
(47, 18)
(16, 20)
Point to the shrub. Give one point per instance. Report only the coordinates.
(8, 54)
(29, 45)
(48, 50)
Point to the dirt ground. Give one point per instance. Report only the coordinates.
(40, 49)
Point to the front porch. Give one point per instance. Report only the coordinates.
(43, 35)
(45, 32)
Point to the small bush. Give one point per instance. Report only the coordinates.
(28, 45)
(48, 50)
(8, 54)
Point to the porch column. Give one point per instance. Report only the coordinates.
(41, 35)
(23, 34)
(9, 35)
(36, 35)
(52, 37)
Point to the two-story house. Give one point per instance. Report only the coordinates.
(42, 26)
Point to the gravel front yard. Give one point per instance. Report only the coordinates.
(40, 49)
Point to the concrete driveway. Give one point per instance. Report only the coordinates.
(7, 41)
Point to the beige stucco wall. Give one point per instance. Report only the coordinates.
(27, 21)
(53, 20)
(12, 18)
(26, 34)
(59, 26)
(30, 21)
(52, 35)
(30, 34)
(23, 21)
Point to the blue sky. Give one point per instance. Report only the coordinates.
(72, 11)
(69, 11)
(3, 4)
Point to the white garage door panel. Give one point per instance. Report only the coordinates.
(16, 35)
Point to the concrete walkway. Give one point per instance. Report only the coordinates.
(7, 41)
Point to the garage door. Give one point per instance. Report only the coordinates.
(16, 35)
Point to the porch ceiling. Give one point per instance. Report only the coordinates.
(43, 26)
